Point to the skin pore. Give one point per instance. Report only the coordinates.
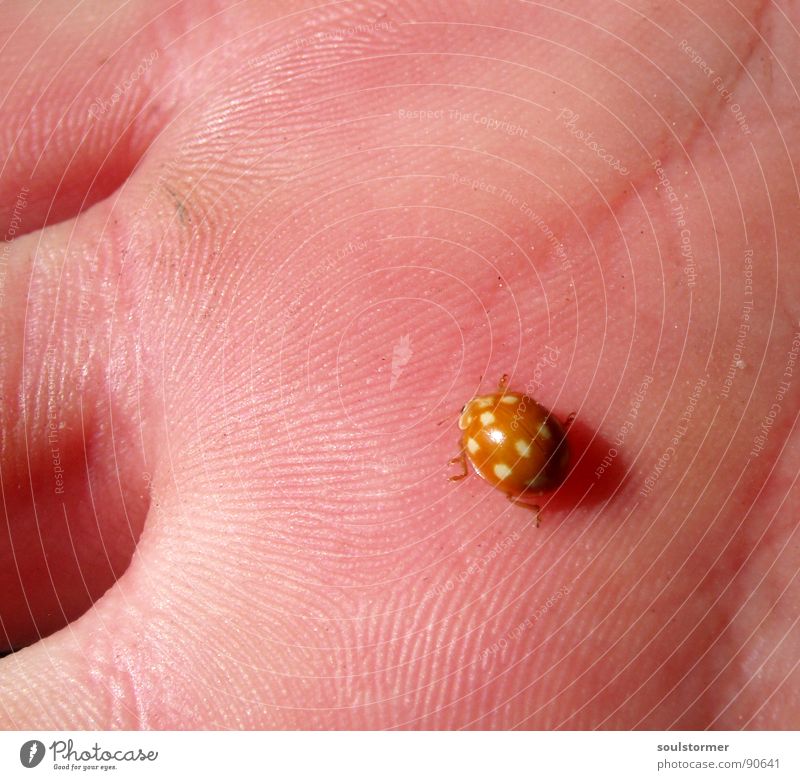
(260, 255)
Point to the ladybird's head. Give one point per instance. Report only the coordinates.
(466, 416)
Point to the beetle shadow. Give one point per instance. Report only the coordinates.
(598, 469)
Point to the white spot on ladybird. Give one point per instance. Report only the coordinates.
(544, 431)
(523, 448)
(501, 471)
(487, 418)
(472, 445)
(510, 399)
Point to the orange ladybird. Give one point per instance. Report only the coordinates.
(514, 443)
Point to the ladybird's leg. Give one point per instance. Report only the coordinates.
(569, 421)
(462, 459)
(535, 508)
(503, 383)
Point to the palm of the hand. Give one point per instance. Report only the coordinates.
(340, 226)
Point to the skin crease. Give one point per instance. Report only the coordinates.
(225, 264)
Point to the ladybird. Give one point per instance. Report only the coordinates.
(514, 443)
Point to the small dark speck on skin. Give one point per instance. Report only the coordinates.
(178, 203)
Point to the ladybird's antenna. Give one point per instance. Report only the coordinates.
(441, 422)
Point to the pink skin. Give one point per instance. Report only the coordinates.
(232, 255)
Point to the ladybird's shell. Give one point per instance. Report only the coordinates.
(514, 443)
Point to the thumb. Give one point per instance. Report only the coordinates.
(73, 477)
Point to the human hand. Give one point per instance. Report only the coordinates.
(259, 254)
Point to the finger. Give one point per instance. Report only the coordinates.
(72, 476)
(79, 104)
